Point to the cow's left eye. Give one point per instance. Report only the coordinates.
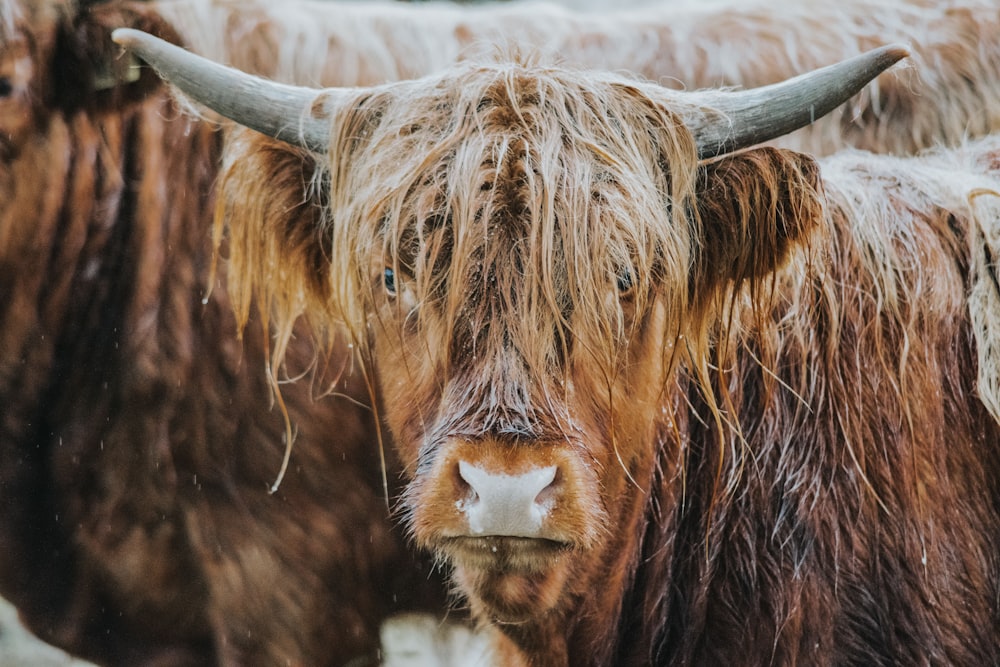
(389, 280)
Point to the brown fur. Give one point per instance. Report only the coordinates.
(778, 403)
(138, 436)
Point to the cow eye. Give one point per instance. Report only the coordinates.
(389, 280)
(6, 88)
(625, 282)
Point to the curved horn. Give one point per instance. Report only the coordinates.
(287, 113)
(754, 116)
(740, 119)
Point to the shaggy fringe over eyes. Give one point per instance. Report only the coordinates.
(568, 171)
(511, 201)
(540, 187)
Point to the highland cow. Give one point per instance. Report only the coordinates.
(138, 440)
(660, 396)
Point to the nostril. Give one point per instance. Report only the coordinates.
(462, 486)
(547, 496)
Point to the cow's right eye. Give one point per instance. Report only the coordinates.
(389, 280)
(6, 88)
(625, 282)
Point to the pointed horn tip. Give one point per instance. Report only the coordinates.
(893, 53)
(129, 37)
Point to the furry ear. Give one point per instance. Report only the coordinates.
(279, 253)
(273, 202)
(753, 208)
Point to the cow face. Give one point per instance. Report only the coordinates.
(520, 345)
(524, 263)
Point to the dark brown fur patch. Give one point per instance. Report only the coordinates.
(754, 207)
(138, 434)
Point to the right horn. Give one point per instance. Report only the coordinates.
(746, 118)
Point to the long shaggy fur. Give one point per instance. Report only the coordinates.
(869, 459)
(782, 404)
(283, 250)
(139, 441)
(984, 299)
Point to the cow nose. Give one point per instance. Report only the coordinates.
(507, 505)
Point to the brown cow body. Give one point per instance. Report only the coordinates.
(139, 435)
(651, 408)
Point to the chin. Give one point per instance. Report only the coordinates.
(511, 579)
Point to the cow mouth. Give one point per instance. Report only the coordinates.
(510, 579)
(494, 553)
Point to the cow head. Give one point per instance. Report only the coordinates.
(526, 258)
(56, 56)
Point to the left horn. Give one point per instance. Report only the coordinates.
(287, 113)
(754, 116)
